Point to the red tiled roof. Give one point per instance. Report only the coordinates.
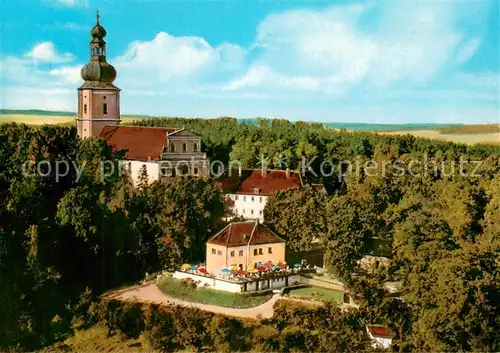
(141, 143)
(379, 331)
(244, 233)
(231, 179)
(270, 182)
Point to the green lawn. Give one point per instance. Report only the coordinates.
(316, 293)
(174, 288)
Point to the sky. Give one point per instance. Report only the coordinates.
(330, 61)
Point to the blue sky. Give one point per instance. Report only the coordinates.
(350, 61)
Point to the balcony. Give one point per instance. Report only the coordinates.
(183, 156)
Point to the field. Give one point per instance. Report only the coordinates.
(457, 135)
(176, 289)
(36, 119)
(316, 293)
(33, 119)
(471, 129)
(467, 134)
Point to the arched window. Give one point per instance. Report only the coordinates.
(195, 147)
(184, 148)
(172, 147)
(173, 172)
(195, 171)
(184, 170)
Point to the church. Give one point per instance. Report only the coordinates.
(165, 153)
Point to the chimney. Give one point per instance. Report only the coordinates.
(287, 173)
(239, 171)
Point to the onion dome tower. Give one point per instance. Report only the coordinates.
(98, 97)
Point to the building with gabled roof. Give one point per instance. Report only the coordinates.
(380, 335)
(248, 190)
(139, 143)
(163, 152)
(243, 244)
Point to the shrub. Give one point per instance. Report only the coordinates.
(159, 330)
(265, 339)
(126, 317)
(190, 325)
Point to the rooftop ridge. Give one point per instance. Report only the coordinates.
(229, 234)
(216, 234)
(145, 127)
(241, 222)
(256, 222)
(268, 170)
(277, 236)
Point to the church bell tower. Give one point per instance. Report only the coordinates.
(98, 98)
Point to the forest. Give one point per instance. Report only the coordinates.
(64, 240)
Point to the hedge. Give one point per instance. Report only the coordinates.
(292, 328)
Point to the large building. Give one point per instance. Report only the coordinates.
(165, 153)
(248, 190)
(98, 97)
(243, 244)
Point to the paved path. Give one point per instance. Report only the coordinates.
(151, 293)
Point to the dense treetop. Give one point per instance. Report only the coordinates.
(67, 238)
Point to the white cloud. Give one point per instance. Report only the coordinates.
(168, 58)
(46, 52)
(263, 76)
(337, 48)
(71, 3)
(342, 54)
(36, 97)
(67, 74)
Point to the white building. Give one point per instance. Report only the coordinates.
(165, 153)
(248, 190)
(380, 335)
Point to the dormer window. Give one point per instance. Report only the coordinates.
(256, 190)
